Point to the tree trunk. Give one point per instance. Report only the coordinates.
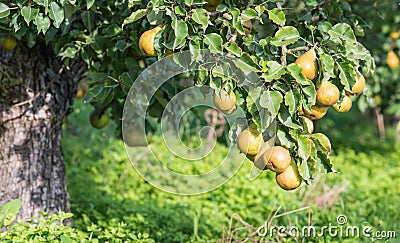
(36, 92)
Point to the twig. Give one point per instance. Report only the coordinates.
(300, 48)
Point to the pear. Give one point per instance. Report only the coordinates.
(134, 138)
(99, 119)
(308, 64)
(146, 41)
(225, 102)
(289, 179)
(358, 86)
(277, 159)
(327, 94)
(345, 106)
(395, 35)
(9, 43)
(316, 113)
(392, 60)
(249, 142)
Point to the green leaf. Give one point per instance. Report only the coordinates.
(29, 14)
(328, 65)
(274, 72)
(246, 64)
(342, 31)
(292, 98)
(233, 48)
(284, 138)
(181, 32)
(200, 16)
(65, 239)
(44, 3)
(214, 41)
(285, 36)
(4, 10)
(56, 14)
(271, 100)
(295, 71)
(286, 119)
(277, 16)
(89, 4)
(112, 30)
(88, 19)
(135, 16)
(322, 142)
(305, 172)
(323, 163)
(249, 14)
(304, 147)
(347, 75)
(42, 23)
(9, 211)
(310, 92)
(69, 51)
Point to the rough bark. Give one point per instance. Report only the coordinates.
(36, 92)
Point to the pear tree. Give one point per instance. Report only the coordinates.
(305, 54)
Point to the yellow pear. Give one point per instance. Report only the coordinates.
(395, 35)
(225, 102)
(249, 142)
(327, 94)
(316, 113)
(289, 179)
(308, 64)
(277, 159)
(358, 86)
(392, 60)
(146, 41)
(345, 106)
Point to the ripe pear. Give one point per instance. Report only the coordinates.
(345, 106)
(146, 41)
(308, 64)
(327, 94)
(392, 60)
(316, 113)
(9, 43)
(358, 86)
(225, 102)
(395, 35)
(277, 159)
(249, 142)
(289, 179)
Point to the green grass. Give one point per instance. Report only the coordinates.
(105, 190)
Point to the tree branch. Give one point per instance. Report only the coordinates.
(300, 48)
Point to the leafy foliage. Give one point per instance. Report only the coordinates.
(105, 36)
